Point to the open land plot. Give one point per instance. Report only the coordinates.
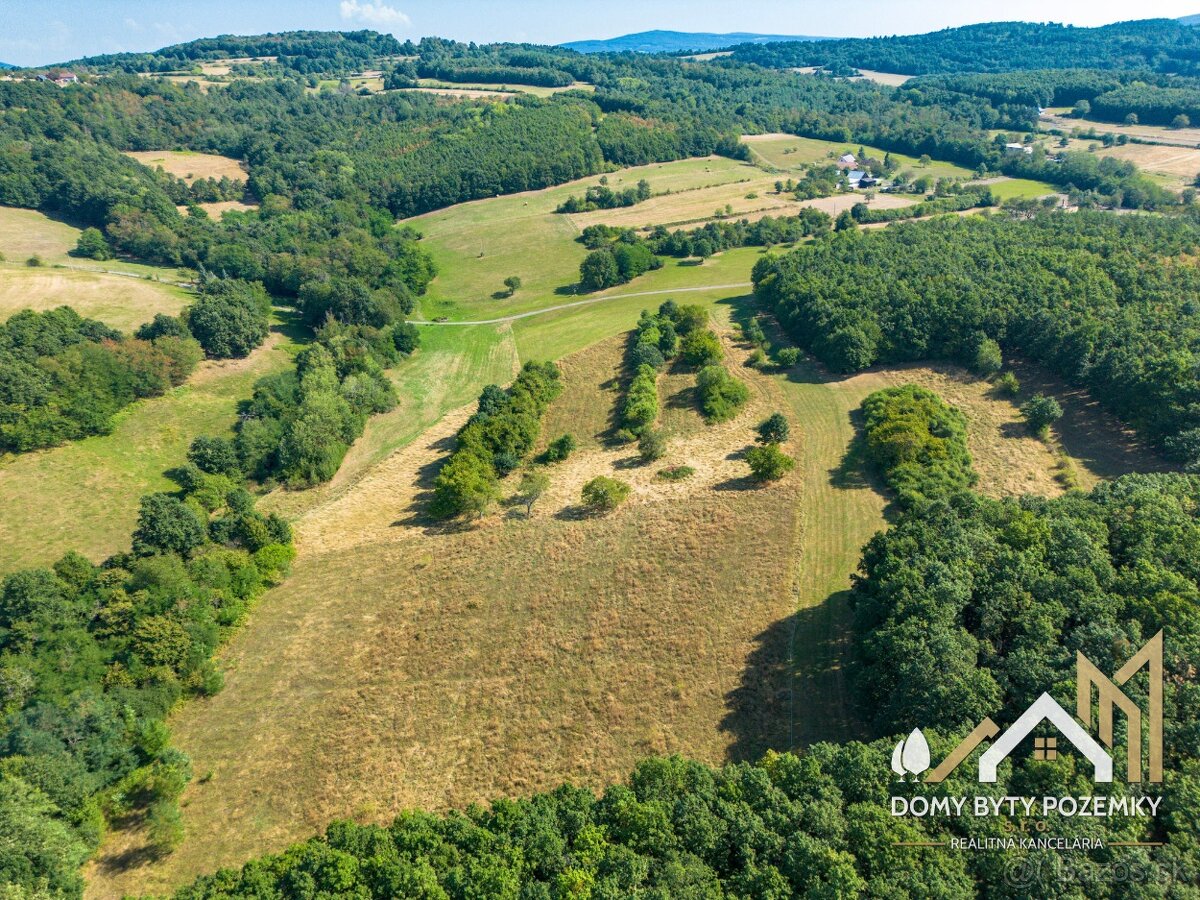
(789, 152)
(1005, 188)
(888, 79)
(1058, 119)
(404, 665)
(477, 245)
(189, 165)
(535, 89)
(117, 300)
(83, 496)
(1176, 166)
(27, 232)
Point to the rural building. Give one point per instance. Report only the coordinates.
(1014, 149)
(847, 161)
(60, 77)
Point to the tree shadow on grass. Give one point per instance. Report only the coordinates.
(792, 690)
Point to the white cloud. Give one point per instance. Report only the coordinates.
(373, 13)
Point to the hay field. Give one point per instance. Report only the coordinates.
(117, 300)
(189, 165)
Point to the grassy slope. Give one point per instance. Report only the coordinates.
(521, 235)
(116, 300)
(25, 232)
(83, 496)
(403, 665)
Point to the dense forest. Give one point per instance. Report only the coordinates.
(1105, 301)
(1160, 44)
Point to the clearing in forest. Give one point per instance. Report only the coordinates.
(189, 165)
(789, 152)
(117, 300)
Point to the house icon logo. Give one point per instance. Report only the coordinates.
(912, 754)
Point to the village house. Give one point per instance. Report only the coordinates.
(1014, 149)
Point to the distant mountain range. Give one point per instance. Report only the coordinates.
(4, 65)
(678, 41)
(1189, 20)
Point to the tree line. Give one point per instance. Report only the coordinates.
(1104, 301)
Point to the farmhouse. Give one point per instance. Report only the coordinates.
(847, 161)
(1015, 149)
(60, 77)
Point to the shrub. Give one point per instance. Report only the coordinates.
(773, 430)
(602, 493)
(1007, 385)
(988, 360)
(560, 448)
(1040, 413)
(92, 245)
(215, 455)
(721, 395)
(162, 325)
(641, 402)
(167, 525)
(652, 445)
(34, 261)
(757, 359)
(675, 473)
(701, 348)
(768, 462)
(918, 442)
(788, 357)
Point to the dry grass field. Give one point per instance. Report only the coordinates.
(117, 300)
(1177, 167)
(189, 165)
(218, 209)
(1184, 137)
(405, 664)
(889, 79)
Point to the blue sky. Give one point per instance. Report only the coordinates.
(39, 33)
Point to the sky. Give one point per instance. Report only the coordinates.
(40, 33)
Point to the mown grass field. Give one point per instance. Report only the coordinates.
(1020, 188)
(407, 665)
(788, 152)
(84, 495)
(477, 245)
(1175, 167)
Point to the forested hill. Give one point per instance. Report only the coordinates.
(304, 51)
(1160, 44)
(678, 41)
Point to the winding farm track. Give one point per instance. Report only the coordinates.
(548, 309)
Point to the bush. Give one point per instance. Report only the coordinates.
(675, 473)
(34, 261)
(918, 442)
(215, 455)
(162, 325)
(652, 445)
(988, 360)
(1040, 413)
(757, 359)
(560, 448)
(773, 430)
(641, 401)
(701, 348)
(788, 357)
(602, 493)
(92, 245)
(721, 395)
(1007, 385)
(768, 462)
(167, 525)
